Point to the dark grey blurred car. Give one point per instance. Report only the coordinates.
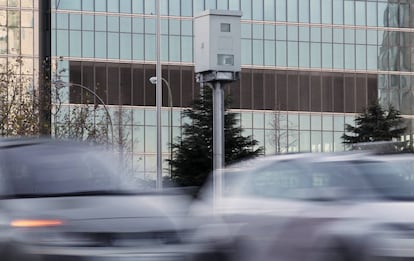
(62, 200)
(347, 206)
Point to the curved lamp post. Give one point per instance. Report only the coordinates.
(153, 81)
(62, 83)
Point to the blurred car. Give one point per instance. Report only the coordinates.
(346, 206)
(62, 200)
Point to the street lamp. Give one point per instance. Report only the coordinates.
(62, 83)
(153, 81)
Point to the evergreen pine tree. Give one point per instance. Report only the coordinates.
(193, 154)
(375, 124)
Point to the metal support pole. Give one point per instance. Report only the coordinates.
(158, 100)
(218, 139)
(45, 64)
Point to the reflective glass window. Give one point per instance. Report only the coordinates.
(339, 123)
(223, 4)
(361, 58)
(360, 36)
(164, 7)
(258, 120)
(280, 10)
(304, 11)
(327, 55)
(113, 23)
(338, 11)
(187, 27)
(349, 36)
(327, 141)
(87, 5)
(315, 34)
(304, 55)
(372, 57)
(371, 13)
(113, 45)
(138, 6)
(186, 49)
(316, 122)
(174, 7)
(211, 4)
(69, 4)
(26, 3)
(304, 33)
(88, 22)
(349, 56)
(360, 13)
(100, 5)
(100, 23)
(338, 145)
(316, 55)
(125, 6)
(281, 53)
(316, 141)
(281, 32)
(246, 47)
(138, 47)
(257, 31)
(258, 10)
(27, 37)
(125, 24)
(372, 37)
(246, 30)
(269, 10)
(270, 52)
(75, 22)
(126, 46)
(382, 14)
(304, 120)
(257, 52)
(327, 11)
(150, 44)
(174, 27)
(186, 7)
(246, 7)
(198, 6)
(137, 25)
(338, 56)
(75, 44)
(292, 10)
(62, 21)
(292, 33)
(62, 37)
(149, 6)
(327, 35)
(304, 139)
(234, 5)
(269, 32)
(338, 35)
(150, 26)
(88, 44)
(293, 55)
(100, 45)
(164, 47)
(246, 120)
(327, 122)
(349, 11)
(164, 26)
(113, 5)
(315, 11)
(175, 49)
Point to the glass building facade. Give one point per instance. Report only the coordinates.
(308, 66)
(19, 36)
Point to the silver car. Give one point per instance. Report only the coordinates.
(347, 206)
(67, 201)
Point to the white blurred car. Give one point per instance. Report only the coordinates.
(347, 206)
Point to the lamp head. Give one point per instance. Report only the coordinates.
(153, 80)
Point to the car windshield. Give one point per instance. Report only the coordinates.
(47, 170)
